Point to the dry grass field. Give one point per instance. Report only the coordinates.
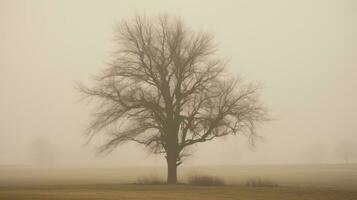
(147, 192)
(295, 182)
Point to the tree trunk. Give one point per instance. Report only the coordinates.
(171, 168)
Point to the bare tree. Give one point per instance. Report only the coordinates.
(166, 89)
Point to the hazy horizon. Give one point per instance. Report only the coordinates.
(303, 52)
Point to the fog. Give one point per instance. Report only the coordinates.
(303, 52)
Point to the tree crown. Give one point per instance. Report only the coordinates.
(166, 87)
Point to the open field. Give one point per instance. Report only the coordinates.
(146, 192)
(332, 175)
(295, 182)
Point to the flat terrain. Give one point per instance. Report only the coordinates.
(147, 192)
(331, 175)
(305, 182)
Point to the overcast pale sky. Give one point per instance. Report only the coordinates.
(302, 51)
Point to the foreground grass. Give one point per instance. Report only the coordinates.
(174, 192)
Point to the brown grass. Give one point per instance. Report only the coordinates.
(172, 192)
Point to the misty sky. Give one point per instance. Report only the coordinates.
(302, 51)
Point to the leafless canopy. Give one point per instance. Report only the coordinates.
(166, 89)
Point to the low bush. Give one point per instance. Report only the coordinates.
(205, 180)
(258, 182)
(152, 180)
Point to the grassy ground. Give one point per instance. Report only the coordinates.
(305, 182)
(147, 192)
(332, 175)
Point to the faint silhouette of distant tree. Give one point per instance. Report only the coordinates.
(346, 150)
(43, 152)
(167, 90)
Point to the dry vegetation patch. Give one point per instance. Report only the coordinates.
(205, 180)
(259, 182)
(152, 180)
